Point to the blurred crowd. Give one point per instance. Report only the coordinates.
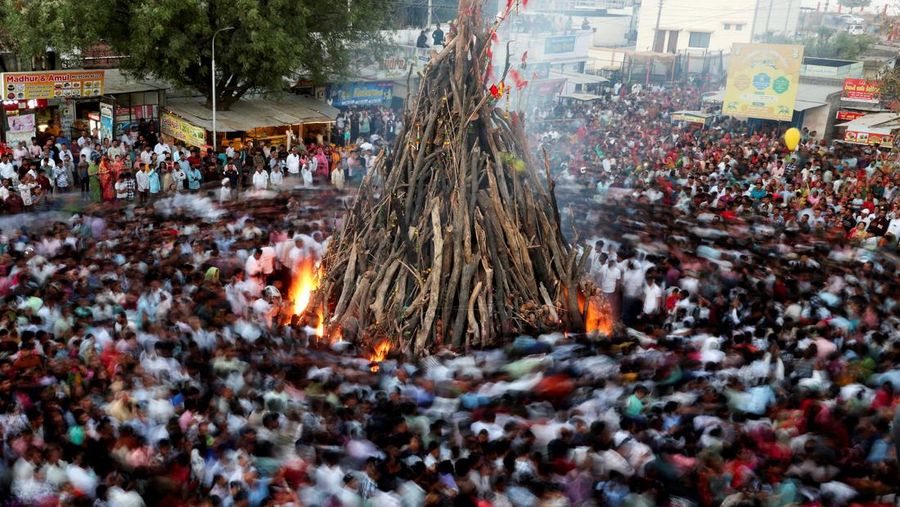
(152, 355)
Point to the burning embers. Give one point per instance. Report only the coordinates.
(304, 282)
(597, 313)
(379, 354)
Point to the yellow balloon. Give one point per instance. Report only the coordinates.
(792, 138)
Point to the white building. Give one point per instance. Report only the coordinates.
(698, 26)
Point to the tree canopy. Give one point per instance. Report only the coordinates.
(829, 43)
(171, 39)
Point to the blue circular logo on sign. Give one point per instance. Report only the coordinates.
(761, 81)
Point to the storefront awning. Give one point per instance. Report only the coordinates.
(116, 82)
(581, 97)
(579, 78)
(256, 113)
(698, 117)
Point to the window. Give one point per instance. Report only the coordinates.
(727, 26)
(699, 40)
(738, 27)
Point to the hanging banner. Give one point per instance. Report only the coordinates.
(52, 84)
(19, 129)
(860, 90)
(361, 94)
(174, 126)
(762, 81)
(67, 117)
(559, 45)
(846, 115)
(870, 138)
(106, 121)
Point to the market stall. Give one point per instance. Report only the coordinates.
(278, 120)
(872, 129)
(694, 117)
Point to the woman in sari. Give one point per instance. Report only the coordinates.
(107, 180)
(94, 179)
(118, 167)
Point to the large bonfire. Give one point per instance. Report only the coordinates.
(461, 244)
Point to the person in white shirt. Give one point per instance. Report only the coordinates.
(276, 178)
(20, 153)
(652, 298)
(609, 277)
(178, 178)
(225, 190)
(260, 179)
(87, 150)
(7, 170)
(146, 155)
(293, 163)
(33, 149)
(632, 290)
(66, 152)
(161, 148)
(84, 139)
(142, 185)
(47, 164)
(267, 260)
(254, 268)
(121, 188)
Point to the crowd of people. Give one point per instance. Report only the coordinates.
(143, 167)
(150, 356)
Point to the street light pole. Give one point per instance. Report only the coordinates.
(213, 79)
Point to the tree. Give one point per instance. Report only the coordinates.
(889, 87)
(31, 28)
(853, 4)
(828, 43)
(171, 39)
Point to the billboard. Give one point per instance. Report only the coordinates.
(52, 84)
(559, 45)
(860, 90)
(763, 81)
(174, 126)
(361, 94)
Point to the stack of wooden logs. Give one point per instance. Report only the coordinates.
(454, 238)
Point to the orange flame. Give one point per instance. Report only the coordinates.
(598, 317)
(379, 354)
(303, 284)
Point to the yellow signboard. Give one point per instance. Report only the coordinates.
(174, 126)
(763, 81)
(52, 84)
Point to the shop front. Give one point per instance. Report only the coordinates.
(876, 129)
(45, 103)
(282, 120)
(66, 103)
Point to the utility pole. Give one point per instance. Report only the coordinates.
(787, 17)
(656, 32)
(662, 44)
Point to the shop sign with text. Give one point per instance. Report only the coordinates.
(53, 84)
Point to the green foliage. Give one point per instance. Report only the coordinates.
(829, 43)
(170, 39)
(889, 85)
(29, 27)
